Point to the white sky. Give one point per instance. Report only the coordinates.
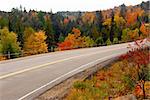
(65, 5)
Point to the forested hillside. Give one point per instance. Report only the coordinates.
(36, 32)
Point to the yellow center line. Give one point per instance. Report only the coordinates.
(50, 63)
(35, 67)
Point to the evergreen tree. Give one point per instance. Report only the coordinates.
(112, 26)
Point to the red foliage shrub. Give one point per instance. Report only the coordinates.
(138, 53)
(66, 45)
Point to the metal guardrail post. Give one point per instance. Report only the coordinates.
(8, 54)
(22, 53)
(52, 49)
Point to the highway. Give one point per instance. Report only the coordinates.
(27, 77)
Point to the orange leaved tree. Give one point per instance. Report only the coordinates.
(75, 40)
(145, 30)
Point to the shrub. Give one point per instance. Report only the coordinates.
(108, 42)
(2, 58)
(139, 56)
(99, 41)
(81, 85)
(115, 41)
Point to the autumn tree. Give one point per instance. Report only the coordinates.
(88, 18)
(134, 34)
(66, 21)
(97, 25)
(145, 30)
(120, 22)
(119, 26)
(114, 26)
(8, 43)
(35, 44)
(75, 40)
(89, 42)
(130, 35)
(107, 22)
(132, 15)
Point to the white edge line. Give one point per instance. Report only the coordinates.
(77, 69)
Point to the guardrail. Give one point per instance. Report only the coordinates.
(9, 55)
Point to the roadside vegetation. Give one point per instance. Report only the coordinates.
(25, 33)
(129, 75)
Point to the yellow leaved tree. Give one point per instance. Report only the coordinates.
(35, 44)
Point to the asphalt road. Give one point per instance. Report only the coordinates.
(25, 78)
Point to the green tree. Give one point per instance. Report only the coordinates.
(61, 38)
(49, 32)
(8, 42)
(99, 41)
(112, 27)
(3, 22)
(27, 33)
(16, 24)
(99, 20)
(125, 37)
(89, 42)
(95, 34)
(41, 19)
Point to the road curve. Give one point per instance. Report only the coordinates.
(25, 78)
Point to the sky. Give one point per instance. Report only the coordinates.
(65, 5)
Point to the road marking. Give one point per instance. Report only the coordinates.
(79, 69)
(50, 63)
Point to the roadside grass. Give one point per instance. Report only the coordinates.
(110, 82)
(126, 76)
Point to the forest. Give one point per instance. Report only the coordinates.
(25, 33)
